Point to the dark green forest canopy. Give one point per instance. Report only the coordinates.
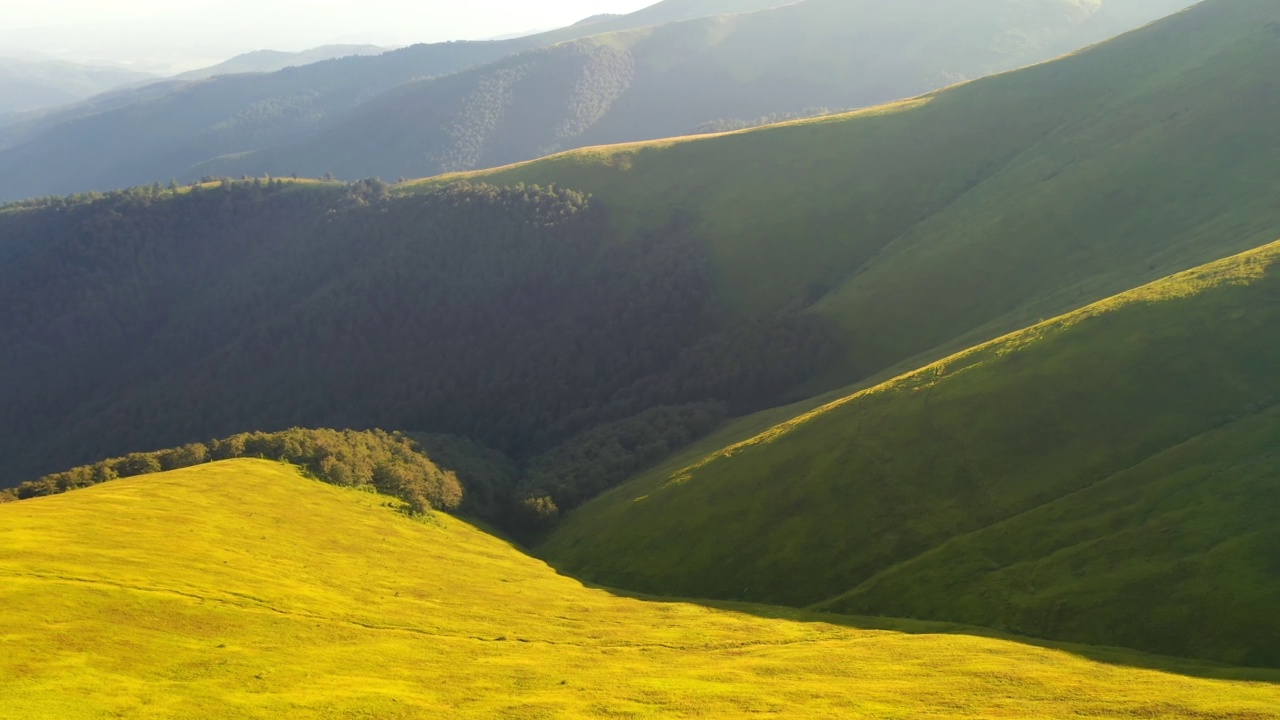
(515, 317)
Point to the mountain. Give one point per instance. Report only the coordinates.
(661, 71)
(1105, 476)
(242, 589)
(930, 225)
(163, 131)
(702, 279)
(28, 85)
(265, 61)
(672, 79)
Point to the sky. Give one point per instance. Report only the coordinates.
(177, 35)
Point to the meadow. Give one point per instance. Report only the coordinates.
(240, 589)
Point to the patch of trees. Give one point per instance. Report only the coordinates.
(389, 463)
(606, 456)
(489, 477)
(514, 318)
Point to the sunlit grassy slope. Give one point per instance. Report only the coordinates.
(1112, 473)
(982, 208)
(241, 589)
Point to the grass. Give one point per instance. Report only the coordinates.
(240, 589)
(949, 219)
(827, 501)
(1183, 540)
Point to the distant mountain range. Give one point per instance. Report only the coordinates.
(262, 61)
(666, 70)
(27, 85)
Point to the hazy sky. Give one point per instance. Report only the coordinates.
(188, 33)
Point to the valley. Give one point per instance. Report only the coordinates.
(728, 358)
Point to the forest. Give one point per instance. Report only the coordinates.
(514, 318)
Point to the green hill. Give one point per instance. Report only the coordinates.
(702, 279)
(242, 590)
(660, 71)
(959, 216)
(1107, 474)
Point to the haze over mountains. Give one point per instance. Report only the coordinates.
(1002, 354)
(362, 117)
(32, 84)
(262, 61)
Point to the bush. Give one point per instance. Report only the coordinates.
(392, 463)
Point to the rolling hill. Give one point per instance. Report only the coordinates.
(701, 279)
(1106, 476)
(667, 80)
(240, 589)
(265, 61)
(28, 85)
(658, 72)
(949, 219)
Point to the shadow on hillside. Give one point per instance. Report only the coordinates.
(1204, 669)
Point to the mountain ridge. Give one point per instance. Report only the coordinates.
(285, 123)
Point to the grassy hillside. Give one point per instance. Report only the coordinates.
(1116, 452)
(702, 278)
(958, 216)
(670, 79)
(289, 598)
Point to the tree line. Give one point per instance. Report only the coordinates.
(390, 463)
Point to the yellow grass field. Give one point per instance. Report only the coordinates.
(243, 590)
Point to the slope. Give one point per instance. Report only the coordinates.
(28, 85)
(1030, 437)
(240, 589)
(158, 317)
(161, 132)
(265, 61)
(752, 269)
(668, 80)
(958, 216)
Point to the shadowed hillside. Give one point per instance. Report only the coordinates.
(1106, 476)
(514, 317)
(240, 589)
(702, 279)
(956, 217)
